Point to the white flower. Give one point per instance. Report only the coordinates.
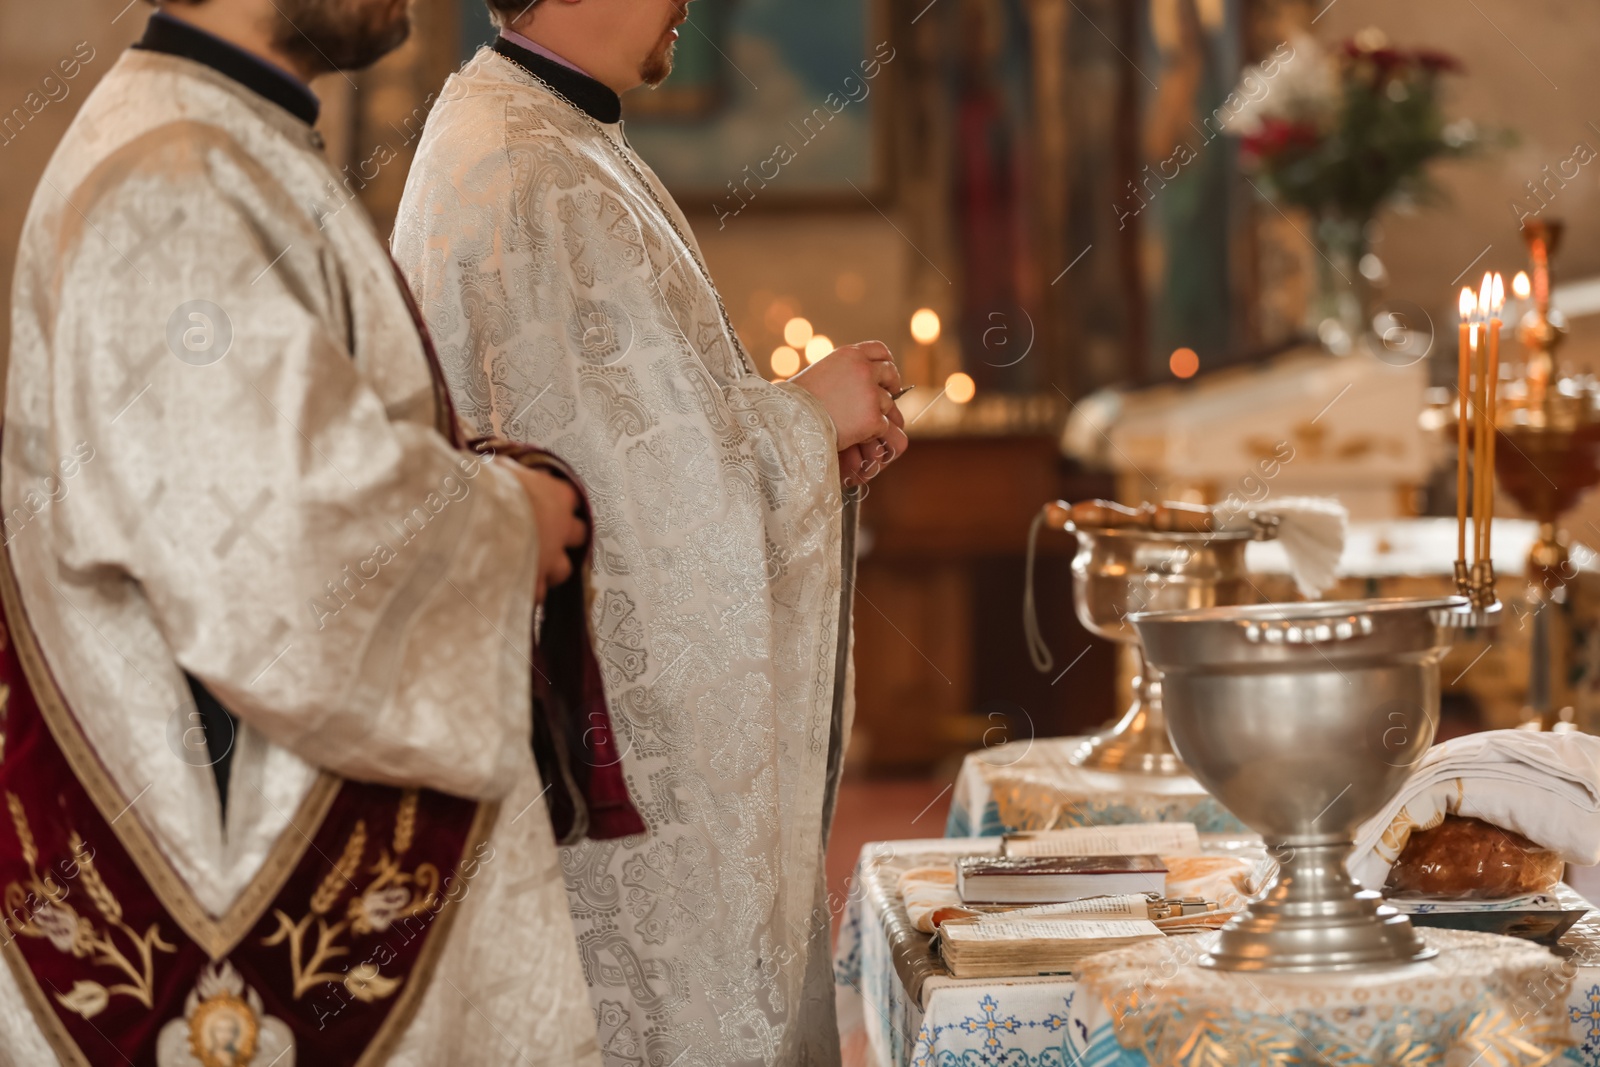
(380, 907)
(1297, 83)
(60, 924)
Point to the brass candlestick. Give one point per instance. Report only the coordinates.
(1544, 451)
(1551, 423)
(1477, 386)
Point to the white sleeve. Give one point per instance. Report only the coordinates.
(344, 582)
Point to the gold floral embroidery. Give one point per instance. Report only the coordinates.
(389, 897)
(39, 909)
(1503, 1039)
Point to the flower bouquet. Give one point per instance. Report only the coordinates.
(1342, 136)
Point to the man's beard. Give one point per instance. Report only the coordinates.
(658, 64)
(329, 35)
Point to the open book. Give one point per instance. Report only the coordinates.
(1010, 947)
(1132, 839)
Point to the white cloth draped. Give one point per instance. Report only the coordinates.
(1544, 786)
(223, 517)
(571, 309)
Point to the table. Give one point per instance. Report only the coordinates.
(898, 1007)
(1032, 785)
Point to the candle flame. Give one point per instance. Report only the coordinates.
(1467, 303)
(1497, 295)
(1485, 295)
(1521, 287)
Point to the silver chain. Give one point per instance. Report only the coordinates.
(649, 188)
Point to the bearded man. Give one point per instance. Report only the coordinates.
(267, 665)
(574, 309)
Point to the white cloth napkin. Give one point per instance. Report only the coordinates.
(1544, 786)
(1311, 530)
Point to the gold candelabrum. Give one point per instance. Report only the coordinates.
(1551, 421)
(1533, 430)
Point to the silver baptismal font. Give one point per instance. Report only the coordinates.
(1304, 720)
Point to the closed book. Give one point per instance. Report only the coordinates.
(1056, 879)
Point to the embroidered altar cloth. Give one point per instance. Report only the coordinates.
(897, 1005)
(1033, 785)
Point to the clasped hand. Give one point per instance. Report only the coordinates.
(556, 514)
(856, 384)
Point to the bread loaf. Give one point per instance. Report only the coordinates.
(1468, 859)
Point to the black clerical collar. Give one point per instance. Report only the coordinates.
(163, 33)
(595, 98)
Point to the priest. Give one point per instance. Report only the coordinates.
(266, 670)
(573, 308)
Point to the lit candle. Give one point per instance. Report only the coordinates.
(1497, 301)
(1463, 384)
(1480, 442)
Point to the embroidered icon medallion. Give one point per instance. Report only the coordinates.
(224, 1025)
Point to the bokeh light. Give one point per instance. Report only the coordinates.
(785, 361)
(925, 326)
(1521, 287)
(817, 347)
(960, 387)
(1184, 362)
(778, 313)
(796, 332)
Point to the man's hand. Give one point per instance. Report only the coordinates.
(859, 464)
(555, 507)
(856, 385)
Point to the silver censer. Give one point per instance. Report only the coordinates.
(1120, 571)
(1304, 720)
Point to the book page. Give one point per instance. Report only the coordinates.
(1154, 838)
(1047, 930)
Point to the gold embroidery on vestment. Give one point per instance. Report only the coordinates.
(392, 895)
(39, 908)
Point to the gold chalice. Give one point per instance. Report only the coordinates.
(1123, 569)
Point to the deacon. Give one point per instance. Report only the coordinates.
(268, 784)
(574, 310)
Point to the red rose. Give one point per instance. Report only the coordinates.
(1278, 137)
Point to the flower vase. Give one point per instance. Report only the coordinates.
(1339, 311)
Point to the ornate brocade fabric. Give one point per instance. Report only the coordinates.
(323, 963)
(569, 312)
(1484, 1000)
(260, 497)
(1033, 784)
